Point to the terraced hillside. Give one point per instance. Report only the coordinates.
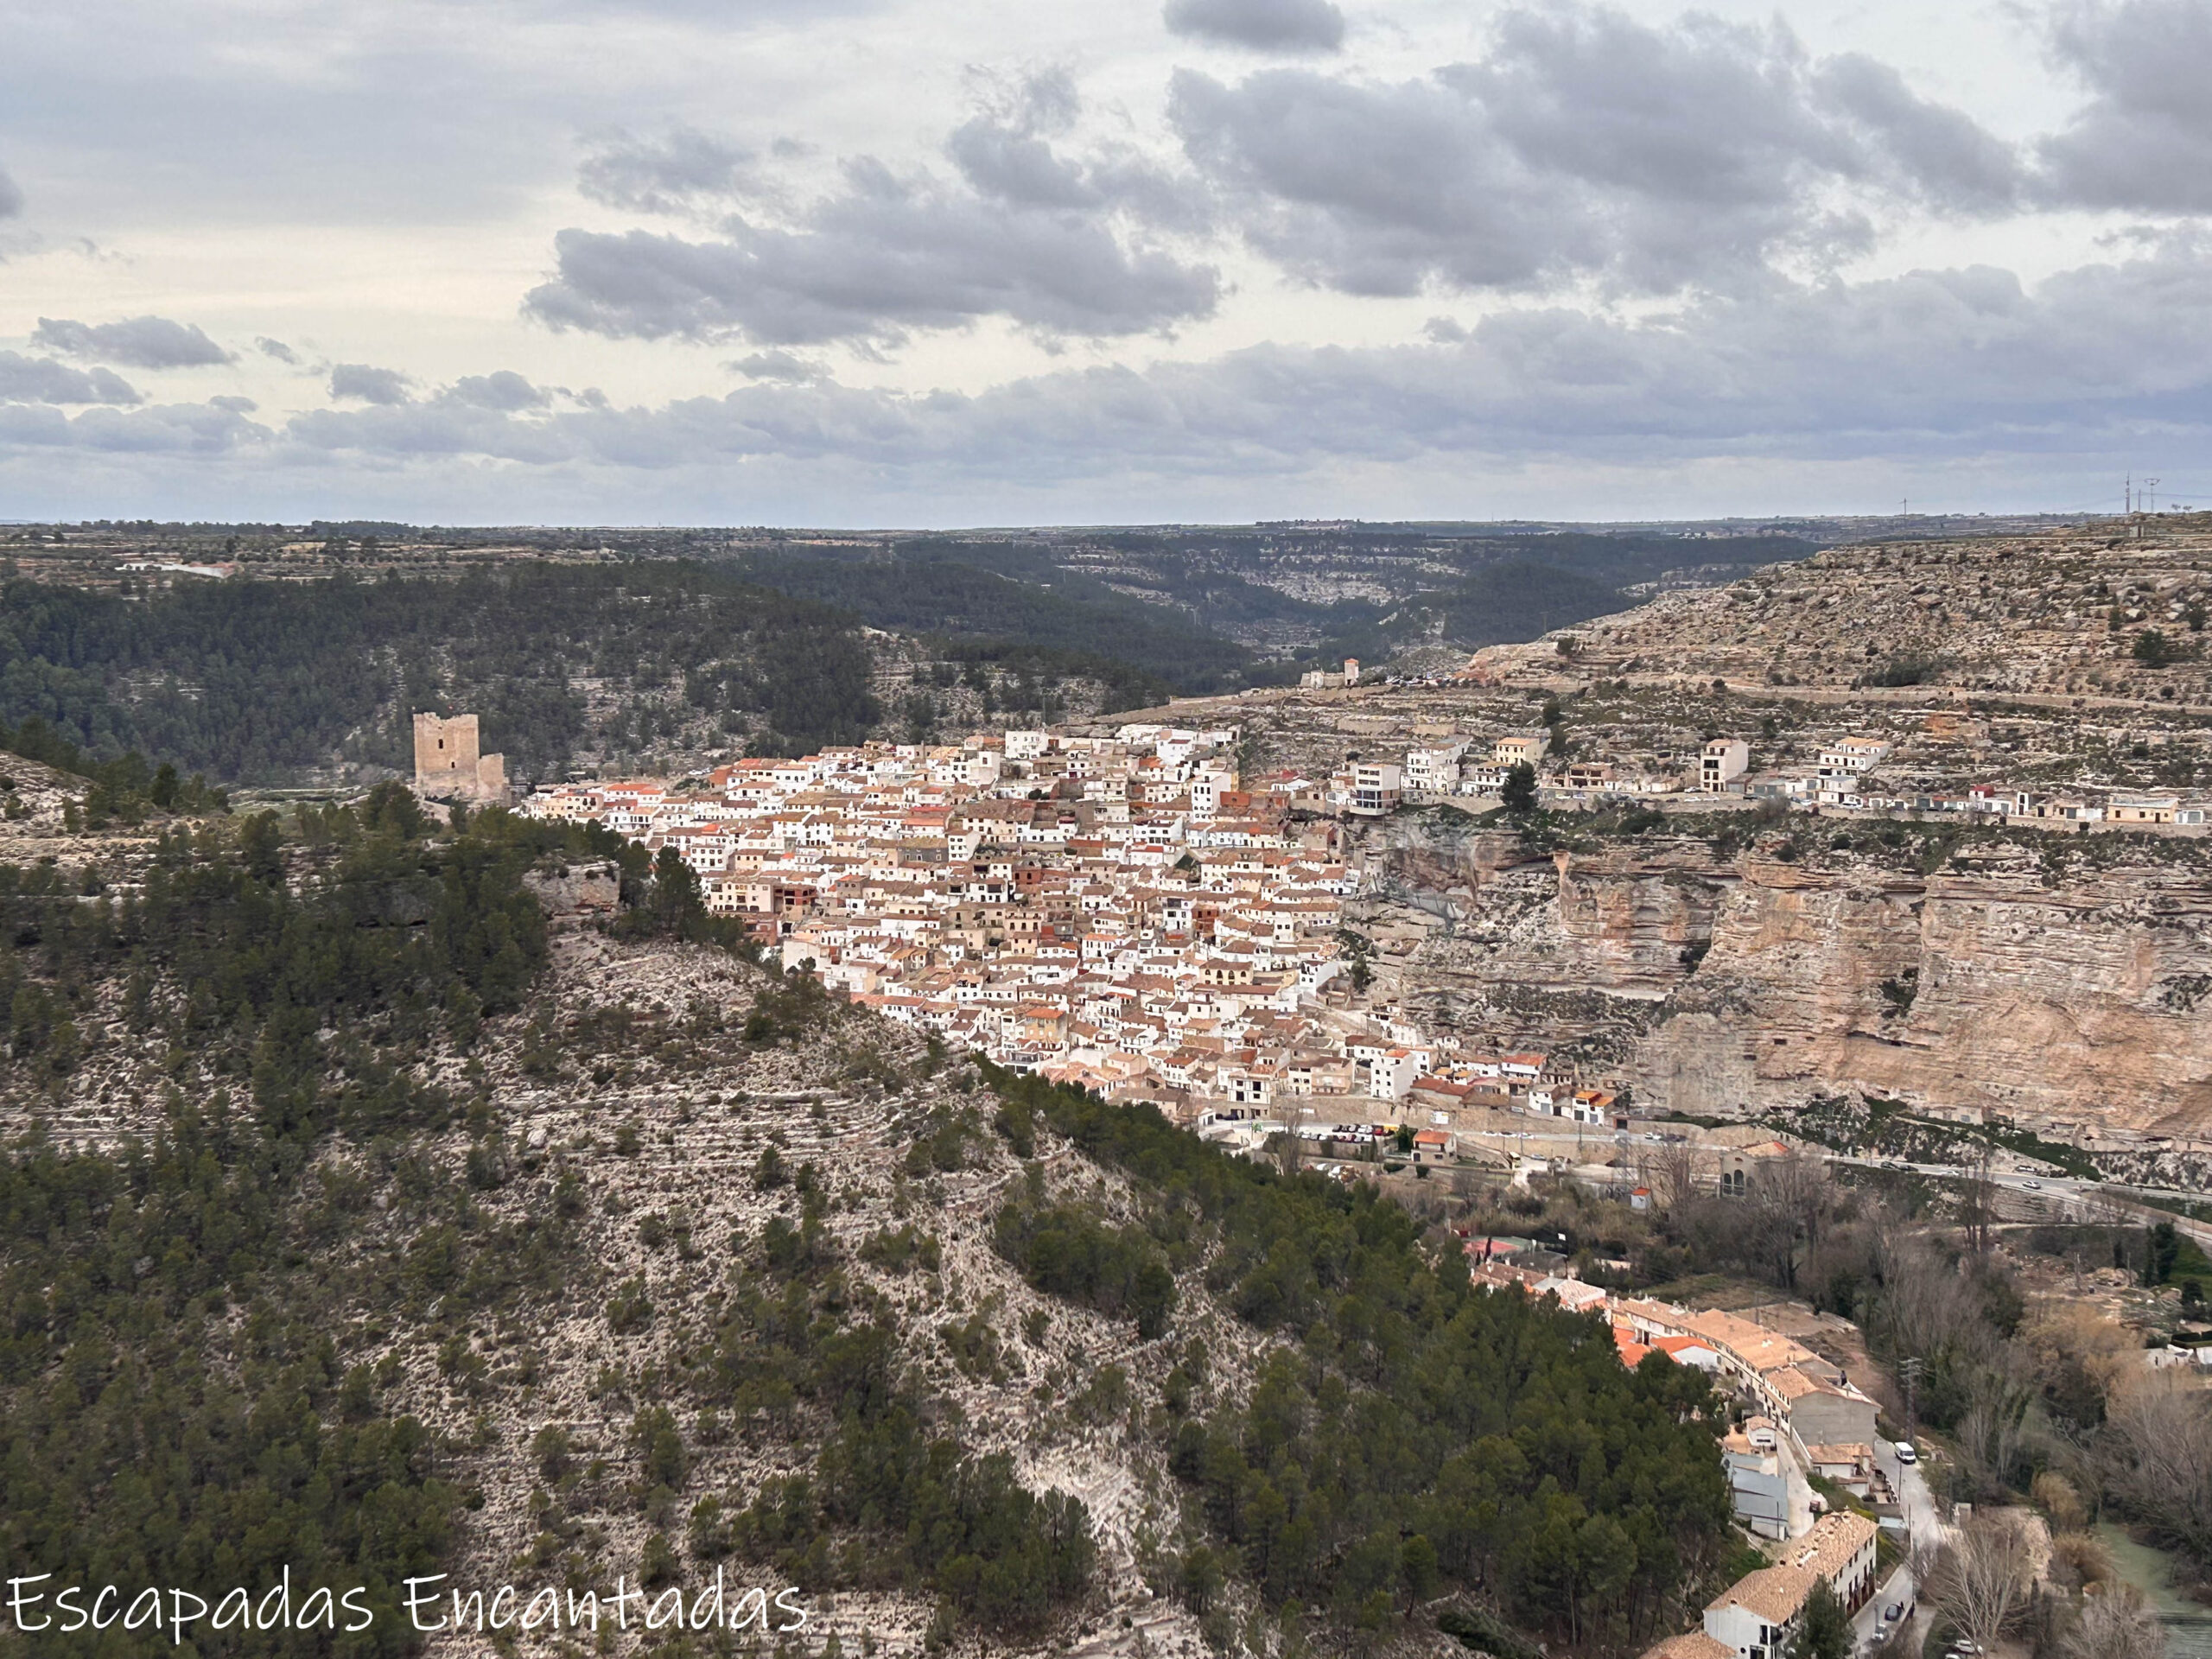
(386, 1202)
(2111, 611)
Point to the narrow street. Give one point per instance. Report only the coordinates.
(1928, 1532)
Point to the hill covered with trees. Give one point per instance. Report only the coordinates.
(629, 650)
(371, 1212)
(272, 682)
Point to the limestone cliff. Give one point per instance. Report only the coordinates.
(2006, 982)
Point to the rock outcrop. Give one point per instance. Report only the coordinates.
(570, 892)
(1978, 990)
(2049, 615)
(2006, 982)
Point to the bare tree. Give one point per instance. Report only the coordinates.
(1927, 1305)
(1994, 1429)
(1790, 1195)
(2115, 1623)
(1670, 1171)
(1290, 1149)
(2159, 1458)
(2103, 1206)
(1978, 1198)
(1981, 1583)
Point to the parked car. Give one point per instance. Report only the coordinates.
(1905, 1453)
(1891, 1613)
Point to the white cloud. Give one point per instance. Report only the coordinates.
(198, 430)
(1963, 362)
(1064, 258)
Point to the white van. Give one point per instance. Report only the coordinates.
(1905, 1453)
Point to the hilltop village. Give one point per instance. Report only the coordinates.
(1135, 912)
(1118, 912)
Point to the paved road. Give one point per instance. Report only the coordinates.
(1924, 1525)
(2071, 1199)
(1868, 1629)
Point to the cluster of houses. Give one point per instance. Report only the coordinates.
(1118, 912)
(1842, 775)
(1801, 1417)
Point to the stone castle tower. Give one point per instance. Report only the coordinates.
(447, 766)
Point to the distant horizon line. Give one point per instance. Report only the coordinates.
(1769, 520)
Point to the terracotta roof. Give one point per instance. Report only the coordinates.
(1775, 1593)
(1828, 1547)
(1694, 1645)
(1842, 1452)
(1793, 1384)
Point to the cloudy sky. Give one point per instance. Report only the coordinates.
(944, 262)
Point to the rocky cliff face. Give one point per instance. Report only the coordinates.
(1977, 989)
(572, 891)
(2006, 982)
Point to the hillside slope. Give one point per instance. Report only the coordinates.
(612, 666)
(2107, 612)
(387, 1204)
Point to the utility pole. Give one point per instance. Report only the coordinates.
(1908, 1376)
(2150, 495)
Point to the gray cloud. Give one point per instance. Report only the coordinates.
(1584, 142)
(1024, 232)
(403, 431)
(778, 365)
(41, 380)
(368, 384)
(2010, 393)
(139, 342)
(1933, 364)
(11, 196)
(277, 349)
(503, 389)
(673, 173)
(1265, 25)
(167, 429)
(1939, 154)
(1007, 152)
(2143, 139)
(887, 255)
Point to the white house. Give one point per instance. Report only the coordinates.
(1391, 1074)
(1757, 1617)
(1725, 760)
